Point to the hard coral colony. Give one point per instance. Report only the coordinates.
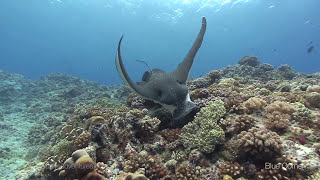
(244, 126)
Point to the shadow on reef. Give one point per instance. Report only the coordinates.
(249, 116)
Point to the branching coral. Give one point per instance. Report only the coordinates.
(282, 107)
(199, 93)
(277, 121)
(131, 176)
(232, 169)
(278, 116)
(278, 173)
(302, 113)
(147, 127)
(170, 134)
(152, 168)
(242, 123)
(204, 133)
(185, 171)
(253, 104)
(259, 141)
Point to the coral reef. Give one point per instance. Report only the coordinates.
(131, 176)
(278, 116)
(186, 172)
(150, 166)
(249, 60)
(247, 115)
(232, 169)
(260, 142)
(253, 104)
(204, 133)
(242, 123)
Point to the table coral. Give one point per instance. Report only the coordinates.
(204, 133)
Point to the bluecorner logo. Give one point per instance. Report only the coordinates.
(284, 166)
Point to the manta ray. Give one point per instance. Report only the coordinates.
(167, 89)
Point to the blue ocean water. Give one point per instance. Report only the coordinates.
(79, 37)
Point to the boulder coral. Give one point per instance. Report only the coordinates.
(204, 133)
(81, 166)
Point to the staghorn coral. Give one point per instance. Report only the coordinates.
(258, 141)
(151, 167)
(204, 133)
(232, 169)
(253, 104)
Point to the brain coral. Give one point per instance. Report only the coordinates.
(204, 133)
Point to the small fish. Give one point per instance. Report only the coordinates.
(310, 49)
